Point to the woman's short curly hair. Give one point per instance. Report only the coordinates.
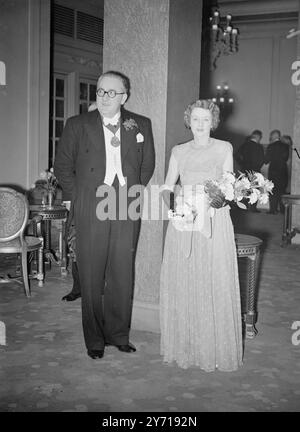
(207, 104)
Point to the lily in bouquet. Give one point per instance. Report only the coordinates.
(251, 187)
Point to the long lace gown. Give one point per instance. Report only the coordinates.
(200, 310)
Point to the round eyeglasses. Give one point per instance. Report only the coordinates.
(110, 93)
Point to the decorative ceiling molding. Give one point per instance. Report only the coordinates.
(90, 63)
(272, 17)
(257, 7)
(78, 59)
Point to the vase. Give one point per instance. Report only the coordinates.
(50, 199)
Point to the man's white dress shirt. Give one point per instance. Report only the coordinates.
(113, 154)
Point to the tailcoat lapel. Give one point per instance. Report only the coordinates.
(95, 131)
(128, 137)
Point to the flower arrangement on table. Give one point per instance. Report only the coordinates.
(47, 182)
(250, 186)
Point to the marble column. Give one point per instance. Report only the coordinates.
(157, 43)
(295, 176)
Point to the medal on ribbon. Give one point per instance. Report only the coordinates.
(115, 142)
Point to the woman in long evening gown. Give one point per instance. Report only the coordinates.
(200, 309)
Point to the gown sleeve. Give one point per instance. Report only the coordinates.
(172, 174)
(167, 189)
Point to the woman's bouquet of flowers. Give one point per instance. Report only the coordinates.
(251, 187)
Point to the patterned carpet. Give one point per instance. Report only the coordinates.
(44, 366)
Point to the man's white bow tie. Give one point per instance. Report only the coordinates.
(107, 122)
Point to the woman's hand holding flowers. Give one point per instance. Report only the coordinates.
(217, 201)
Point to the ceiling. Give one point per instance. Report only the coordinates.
(255, 7)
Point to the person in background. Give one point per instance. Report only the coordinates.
(286, 139)
(250, 156)
(277, 155)
(71, 242)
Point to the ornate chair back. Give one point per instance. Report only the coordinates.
(14, 212)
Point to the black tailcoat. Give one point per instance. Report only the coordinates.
(105, 248)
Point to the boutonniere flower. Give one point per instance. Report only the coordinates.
(139, 138)
(129, 124)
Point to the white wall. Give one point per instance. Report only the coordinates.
(24, 100)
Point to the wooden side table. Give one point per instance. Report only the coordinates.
(249, 247)
(288, 232)
(55, 212)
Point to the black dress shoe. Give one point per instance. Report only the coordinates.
(126, 348)
(94, 354)
(71, 297)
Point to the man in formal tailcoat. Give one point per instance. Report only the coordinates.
(104, 153)
(277, 155)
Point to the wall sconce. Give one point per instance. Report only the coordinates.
(223, 98)
(2, 73)
(293, 32)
